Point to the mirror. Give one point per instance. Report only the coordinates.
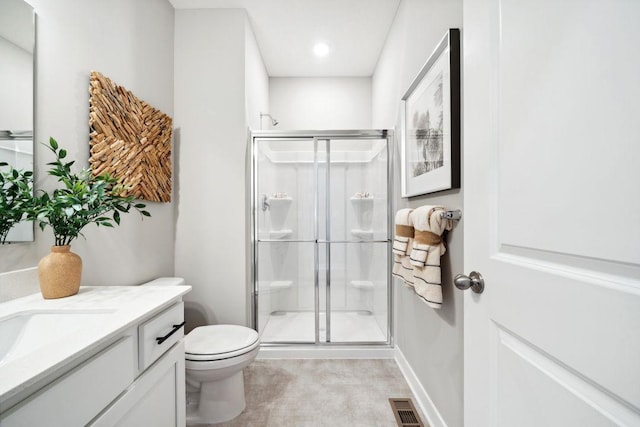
(17, 42)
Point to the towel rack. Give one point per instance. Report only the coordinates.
(454, 215)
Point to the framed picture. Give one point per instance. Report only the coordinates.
(430, 123)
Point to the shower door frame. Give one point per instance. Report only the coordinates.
(315, 136)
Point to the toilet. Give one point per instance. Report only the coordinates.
(215, 356)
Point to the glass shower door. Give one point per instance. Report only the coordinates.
(286, 253)
(357, 241)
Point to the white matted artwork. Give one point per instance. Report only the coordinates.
(430, 150)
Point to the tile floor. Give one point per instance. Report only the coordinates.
(321, 392)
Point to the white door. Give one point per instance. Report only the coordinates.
(552, 212)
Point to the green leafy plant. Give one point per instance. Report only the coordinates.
(15, 199)
(83, 199)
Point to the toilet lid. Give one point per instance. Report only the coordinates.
(216, 340)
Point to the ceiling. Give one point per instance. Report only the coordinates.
(287, 30)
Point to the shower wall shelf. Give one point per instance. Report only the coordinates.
(362, 234)
(280, 284)
(280, 234)
(363, 209)
(283, 200)
(274, 285)
(366, 285)
(279, 210)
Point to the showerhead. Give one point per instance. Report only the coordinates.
(274, 122)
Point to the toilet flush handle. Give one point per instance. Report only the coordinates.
(175, 329)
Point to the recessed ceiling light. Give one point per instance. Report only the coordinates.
(321, 49)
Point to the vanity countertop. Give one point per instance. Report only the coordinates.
(106, 312)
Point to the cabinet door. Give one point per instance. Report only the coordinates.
(156, 398)
(79, 395)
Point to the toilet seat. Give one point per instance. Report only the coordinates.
(218, 342)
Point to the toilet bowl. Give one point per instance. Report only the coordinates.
(214, 358)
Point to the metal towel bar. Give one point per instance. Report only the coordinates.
(455, 214)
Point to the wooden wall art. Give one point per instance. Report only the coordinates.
(130, 140)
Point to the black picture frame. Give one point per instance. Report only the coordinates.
(430, 123)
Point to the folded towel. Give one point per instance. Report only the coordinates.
(402, 244)
(429, 226)
(404, 232)
(426, 251)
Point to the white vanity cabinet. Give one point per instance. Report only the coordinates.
(135, 378)
(76, 397)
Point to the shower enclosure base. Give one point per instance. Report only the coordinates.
(299, 326)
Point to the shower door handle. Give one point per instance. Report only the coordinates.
(474, 281)
(265, 204)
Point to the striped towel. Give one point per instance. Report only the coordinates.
(402, 244)
(427, 249)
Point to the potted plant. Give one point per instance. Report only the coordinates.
(82, 199)
(16, 197)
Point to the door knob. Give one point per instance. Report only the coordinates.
(474, 281)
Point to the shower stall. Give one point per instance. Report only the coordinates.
(321, 237)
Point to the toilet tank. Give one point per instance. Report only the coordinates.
(195, 314)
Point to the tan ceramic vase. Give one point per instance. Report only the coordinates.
(59, 273)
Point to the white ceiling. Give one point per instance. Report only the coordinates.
(286, 31)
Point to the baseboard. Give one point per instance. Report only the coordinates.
(325, 352)
(423, 401)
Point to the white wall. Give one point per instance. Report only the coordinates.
(132, 43)
(320, 102)
(256, 80)
(256, 102)
(431, 340)
(211, 103)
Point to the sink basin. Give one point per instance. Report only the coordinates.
(25, 332)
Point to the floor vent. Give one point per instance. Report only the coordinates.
(405, 412)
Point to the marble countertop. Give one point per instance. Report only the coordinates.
(116, 308)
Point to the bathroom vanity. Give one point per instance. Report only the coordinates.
(106, 356)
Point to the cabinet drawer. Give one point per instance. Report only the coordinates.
(75, 398)
(167, 325)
